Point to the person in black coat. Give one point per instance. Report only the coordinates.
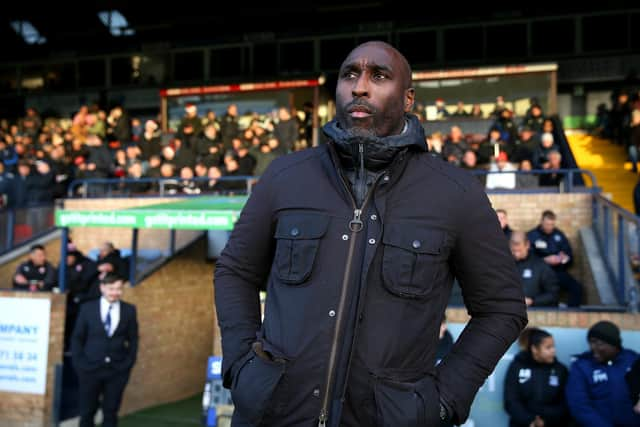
(539, 282)
(350, 330)
(104, 347)
(633, 381)
(36, 274)
(534, 385)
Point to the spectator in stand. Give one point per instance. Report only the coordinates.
(189, 137)
(503, 219)
(118, 127)
(461, 111)
(476, 112)
(441, 109)
(61, 171)
(469, 160)
(455, 145)
(95, 126)
(264, 157)
(211, 119)
(110, 261)
(494, 143)
(286, 130)
(499, 108)
(135, 172)
(539, 282)
(508, 128)
(184, 155)
(207, 141)
(170, 184)
(214, 185)
(552, 179)
(36, 274)
(200, 170)
(551, 244)
(8, 156)
(232, 170)
(526, 180)
(597, 392)
(541, 154)
(153, 171)
(149, 143)
(229, 125)
(187, 185)
(535, 120)
(526, 145)
(191, 121)
(533, 101)
(535, 383)
(276, 147)
(548, 126)
(502, 176)
(620, 118)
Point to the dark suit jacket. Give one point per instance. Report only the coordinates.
(92, 349)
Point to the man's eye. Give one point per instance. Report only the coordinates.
(349, 75)
(379, 76)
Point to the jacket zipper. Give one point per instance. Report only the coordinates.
(355, 225)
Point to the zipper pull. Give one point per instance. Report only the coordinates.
(322, 420)
(355, 224)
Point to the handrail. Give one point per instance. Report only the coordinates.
(250, 180)
(617, 233)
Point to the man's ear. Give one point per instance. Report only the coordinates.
(409, 99)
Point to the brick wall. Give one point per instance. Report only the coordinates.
(87, 238)
(564, 319)
(573, 211)
(30, 410)
(177, 328)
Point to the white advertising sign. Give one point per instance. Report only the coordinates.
(24, 344)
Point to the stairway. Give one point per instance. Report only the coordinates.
(608, 162)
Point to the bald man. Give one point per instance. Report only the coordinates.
(539, 282)
(357, 243)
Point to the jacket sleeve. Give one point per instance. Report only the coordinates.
(577, 397)
(513, 404)
(548, 286)
(78, 340)
(241, 271)
(494, 298)
(132, 335)
(565, 247)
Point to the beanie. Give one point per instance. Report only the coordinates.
(607, 332)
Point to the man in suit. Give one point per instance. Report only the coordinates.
(104, 347)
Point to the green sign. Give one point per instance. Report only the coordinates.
(149, 218)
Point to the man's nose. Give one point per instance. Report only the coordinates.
(360, 86)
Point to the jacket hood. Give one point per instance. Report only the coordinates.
(378, 151)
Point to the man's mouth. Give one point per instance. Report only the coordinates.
(359, 111)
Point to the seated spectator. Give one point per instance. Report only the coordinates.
(548, 126)
(169, 183)
(493, 144)
(552, 179)
(264, 157)
(460, 110)
(535, 383)
(137, 187)
(110, 261)
(436, 143)
(503, 219)
(207, 141)
(469, 160)
(153, 171)
(455, 145)
(476, 111)
(200, 170)
(535, 120)
(540, 155)
(214, 185)
(507, 127)
(526, 145)
(184, 155)
(149, 143)
(502, 176)
(539, 282)
(597, 392)
(550, 244)
(187, 185)
(246, 162)
(36, 274)
(441, 109)
(526, 180)
(232, 170)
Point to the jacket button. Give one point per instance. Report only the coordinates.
(374, 217)
(345, 237)
(332, 313)
(416, 244)
(295, 232)
(386, 178)
(372, 241)
(316, 392)
(107, 359)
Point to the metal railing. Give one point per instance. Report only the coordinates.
(22, 225)
(123, 187)
(618, 235)
(572, 181)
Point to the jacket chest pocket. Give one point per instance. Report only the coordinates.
(298, 238)
(412, 258)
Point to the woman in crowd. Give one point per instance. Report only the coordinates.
(535, 383)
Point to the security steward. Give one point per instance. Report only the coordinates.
(539, 282)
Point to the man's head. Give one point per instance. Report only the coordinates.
(519, 245)
(605, 341)
(106, 248)
(37, 255)
(548, 222)
(374, 91)
(111, 287)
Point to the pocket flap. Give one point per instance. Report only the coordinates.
(414, 238)
(301, 226)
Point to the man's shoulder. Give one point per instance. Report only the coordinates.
(292, 162)
(127, 306)
(446, 173)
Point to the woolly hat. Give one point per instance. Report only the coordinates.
(607, 332)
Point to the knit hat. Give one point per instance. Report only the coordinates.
(607, 332)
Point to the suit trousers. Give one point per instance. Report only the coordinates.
(106, 383)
